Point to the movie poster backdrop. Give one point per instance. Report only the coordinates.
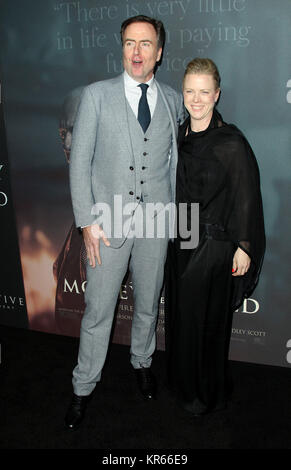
(50, 50)
(12, 298)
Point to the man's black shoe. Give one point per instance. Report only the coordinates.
(146, 382)
(76, 411)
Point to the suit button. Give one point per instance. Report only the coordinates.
(144, 154)
(137, 197)
(142, 182)
(131, 193)
(143, 167)
(145, 139)
(131, 168)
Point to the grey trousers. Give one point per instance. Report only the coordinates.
(146, 259)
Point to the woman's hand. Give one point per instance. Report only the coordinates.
(241, 263)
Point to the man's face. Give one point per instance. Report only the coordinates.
(140, 51)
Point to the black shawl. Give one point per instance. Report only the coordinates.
(238, 205)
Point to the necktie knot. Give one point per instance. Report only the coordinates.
(144, 88)
(144, 115)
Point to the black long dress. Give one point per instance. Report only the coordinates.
(217, 169)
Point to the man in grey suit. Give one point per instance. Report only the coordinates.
(123, 150)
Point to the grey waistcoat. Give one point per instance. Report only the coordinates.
(151, 155)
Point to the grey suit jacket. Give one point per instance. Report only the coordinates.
(101, 152)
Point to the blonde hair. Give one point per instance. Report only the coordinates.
(203, 65)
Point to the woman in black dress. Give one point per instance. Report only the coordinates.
(218, 170)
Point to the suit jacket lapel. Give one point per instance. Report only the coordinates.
(171, 116)
(117, 102)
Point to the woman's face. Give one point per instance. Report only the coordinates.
(200, 95)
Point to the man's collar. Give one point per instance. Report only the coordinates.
(130, 82)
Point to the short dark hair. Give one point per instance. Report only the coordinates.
(157, 24)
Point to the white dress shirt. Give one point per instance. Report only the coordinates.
(133, 93)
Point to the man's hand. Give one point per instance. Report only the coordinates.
(241, 263)
(92, 235)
